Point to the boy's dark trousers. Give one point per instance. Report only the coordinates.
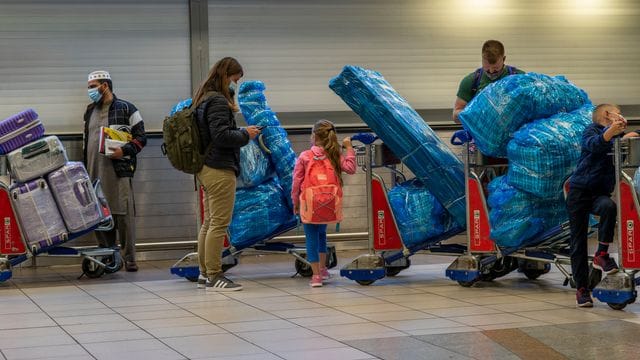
(581, 203)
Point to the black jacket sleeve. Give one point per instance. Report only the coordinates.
(222, 126)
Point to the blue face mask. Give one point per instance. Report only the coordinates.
(233, 87)
(94, 94)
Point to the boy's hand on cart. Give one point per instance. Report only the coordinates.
(117, 153)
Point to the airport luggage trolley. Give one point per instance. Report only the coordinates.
(483, 259)
(387, 255)
(188, 266)
(619, 289)
(96, 261)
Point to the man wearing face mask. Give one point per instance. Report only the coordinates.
(114, 171)
(492, 70)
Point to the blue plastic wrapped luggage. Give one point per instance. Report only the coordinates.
(419, 215)
(255, 167)
(256, 111)
(503, 107)
(258, 212)
(545, 152)
(181, 105)
(517, 217)
(409, 137)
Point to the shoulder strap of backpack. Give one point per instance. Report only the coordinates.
(476, 81)
(511, 70)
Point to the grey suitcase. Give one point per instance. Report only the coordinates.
(37, 159)
(38, 215)
(76, 197)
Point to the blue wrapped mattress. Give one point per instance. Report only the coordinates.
(256, 111)
(545, 152)
(391, 117)
(419, 215)
(255, 166)
(258, 213)
(518, 218)
(503, 107)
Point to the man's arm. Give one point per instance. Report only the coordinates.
(458, 106)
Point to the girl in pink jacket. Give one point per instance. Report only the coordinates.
(317, 191)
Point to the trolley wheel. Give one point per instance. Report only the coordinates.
(91, 269)
(615, 306)
(365, 282)
(226, 267)
(533, 274)
(302, 268)
(466, 283)
(332, 257)
(395, 270)
(191, 278)
(570, 282)
(114, 262)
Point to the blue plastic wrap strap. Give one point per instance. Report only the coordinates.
(365, 138)
(461, 137)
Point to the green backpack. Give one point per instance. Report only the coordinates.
(182, 142)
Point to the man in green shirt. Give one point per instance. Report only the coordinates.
(493, 69)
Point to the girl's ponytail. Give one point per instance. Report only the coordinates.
(327, 137)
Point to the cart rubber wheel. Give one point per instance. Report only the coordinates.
(226, 267)
(332, 257)
(191, 278)
(114, 263)
(615, 306)
(466, 283)
(91, 269)
(302, 268)
(365, 282)
(533, 274)
(395, 270)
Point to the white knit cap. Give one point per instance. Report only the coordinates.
(99, 75)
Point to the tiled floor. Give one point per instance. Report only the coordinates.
(48, 313)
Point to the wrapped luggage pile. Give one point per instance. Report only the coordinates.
(391, 117)
(262, 205)
(536, 121)
(52, 197)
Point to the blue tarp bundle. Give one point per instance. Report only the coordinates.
(255, 167)
(258, 212)
(179, 106)
(256, 111)
(503, 107)
(517, 217)
(545, 152)
(419, 215)
(409, 137)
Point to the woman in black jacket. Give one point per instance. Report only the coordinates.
(215, 107)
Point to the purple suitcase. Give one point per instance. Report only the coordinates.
(19, 129)
(37, 159)
(76, 198)
(38, 215)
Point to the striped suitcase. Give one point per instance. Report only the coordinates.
(19, 129)
(37, 159)
(76, 198)
(11, 241)
(38, 215)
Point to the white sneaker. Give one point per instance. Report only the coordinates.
(202, 281)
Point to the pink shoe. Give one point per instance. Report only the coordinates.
(316, 281)
(324, 272)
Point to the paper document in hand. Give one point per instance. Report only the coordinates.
(112, 138)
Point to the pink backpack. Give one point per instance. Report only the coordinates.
(320, 192)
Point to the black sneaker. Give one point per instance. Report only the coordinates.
(605, 263)
(221, 283)
(583, 298)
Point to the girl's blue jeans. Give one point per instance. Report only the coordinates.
(316, 235)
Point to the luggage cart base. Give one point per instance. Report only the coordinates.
(365, 269)
(188, 266)
(465, 270)
(617, 290)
